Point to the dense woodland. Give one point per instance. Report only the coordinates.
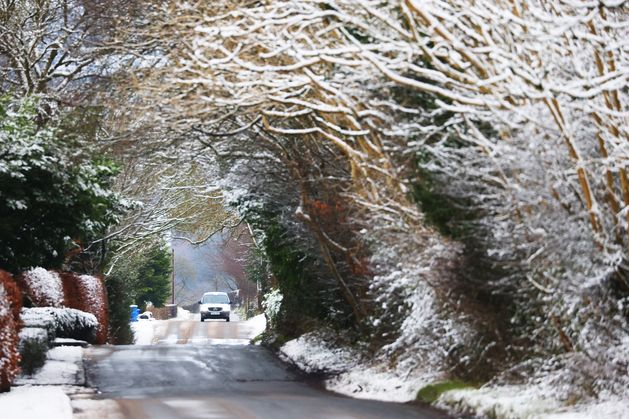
(446, 179)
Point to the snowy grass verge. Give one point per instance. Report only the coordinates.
(349, 374)
(519, 401)
(313, 355)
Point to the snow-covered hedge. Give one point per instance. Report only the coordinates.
(43, 287)
(62, 322)
(9, 324)
(95, 302)
(87, 293)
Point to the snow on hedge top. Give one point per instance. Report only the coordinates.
(33, 334)
(46, 287)
(62, 320)
(94, 288)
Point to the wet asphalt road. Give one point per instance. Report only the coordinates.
(190, 373)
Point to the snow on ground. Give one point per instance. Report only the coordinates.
(63, 367)
(254, 326)
(531, 402)
(500, 402)
(351, 376)
(183, 314)
(610, 409)
(30, 402)
(313, 355)
(375, 383)
(46, 394)
(143, 332)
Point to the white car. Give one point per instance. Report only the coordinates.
(215, 305)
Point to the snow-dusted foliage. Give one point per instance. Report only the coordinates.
(480, 149)
(272, 304)
(94, 291)
(61, 322)
(42, 224)
(8, 338)
(63, 58)
(44, 287)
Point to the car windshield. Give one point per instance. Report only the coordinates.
(215, 299)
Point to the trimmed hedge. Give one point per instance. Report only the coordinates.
(85, 318)
(10, 306)
(87, 293)
(62, 322)
(45, 288)
(42, 288)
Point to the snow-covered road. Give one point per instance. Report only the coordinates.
(191, 330)
(207, 370)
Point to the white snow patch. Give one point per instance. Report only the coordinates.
(352, 377)
(70, 342)
(499, 402)
(66, 353)
(311, 354)
(143, 332)
(183, 314)
(613, 409)
(35, 402)
(254, 326)
(375, 383)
